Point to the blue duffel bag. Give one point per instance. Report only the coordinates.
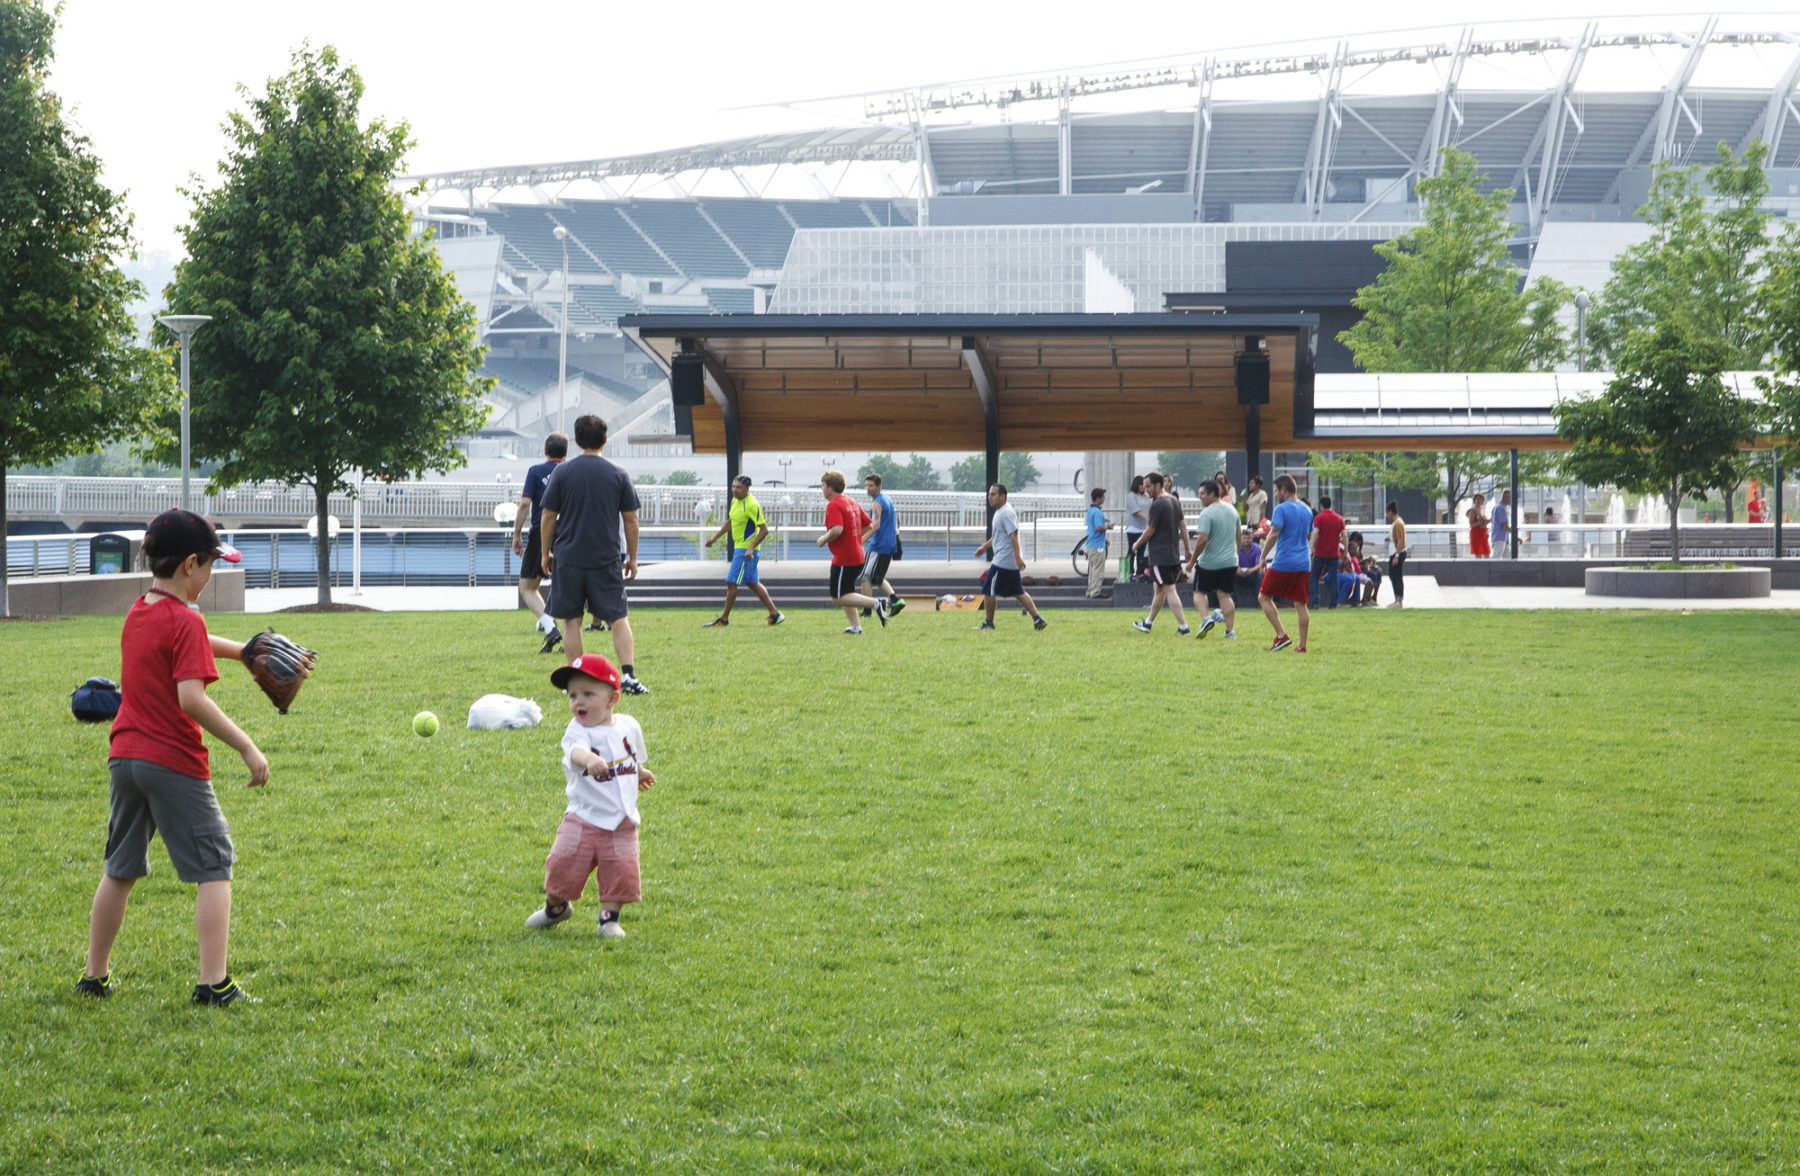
(95, 700)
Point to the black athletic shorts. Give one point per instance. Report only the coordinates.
(600, 591)
(531, 562)
(1166, 573)
(843, 579)
(1215, 582)
(999, 581)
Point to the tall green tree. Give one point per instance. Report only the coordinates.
(1779, 305)
(1190, 466)
(1017, 471)
(1667, 423)
(1702, 265)
(1451, 300)
(893, 474)
(338, 341)
(921, 475)
(72, 376)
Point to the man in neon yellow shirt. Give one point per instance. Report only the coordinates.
(745, 523)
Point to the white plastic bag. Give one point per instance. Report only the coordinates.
(497, 712)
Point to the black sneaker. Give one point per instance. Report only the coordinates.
(1040, 623)
(716, 623)
(988, 625)
(775, 618)
(99, 987)
(896, 606)
(867, 611)
(552, 640)
(599, 627)
(227, 993)
(881, 612)
(630, 685)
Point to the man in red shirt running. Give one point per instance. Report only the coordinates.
(844, 523)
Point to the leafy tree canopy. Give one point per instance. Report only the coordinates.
(1450, 299)
(1017, 471)
(338, 341)
(682, 478)
(1667, 423)
(916, 474)
(1190, 467)
(72, 376)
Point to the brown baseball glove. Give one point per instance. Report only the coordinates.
(279, 667)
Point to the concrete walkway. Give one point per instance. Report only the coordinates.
(1421, 592)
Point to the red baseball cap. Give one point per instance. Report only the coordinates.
(590, 664)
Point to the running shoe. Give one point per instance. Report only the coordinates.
(1183, 631)
(867, 611)
(95, 986)
(989, 625)
(227, 992)
(545, 917)
(881, 612)
(609, 925)
(854, 630)
(1217, 617)
(716, 623)
(896, 605)
(630, 685)
(552, 640)
(1281, 643)
(1206, 626)
(1040, 624)
(1231, 634)
(1141, 625)
(599, 627)
(775, 618)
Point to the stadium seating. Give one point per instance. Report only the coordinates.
(731, 299)
(681, 232)
(533, 233)
(829, 214)
(756, 227)
(604, 303)
(601, 228)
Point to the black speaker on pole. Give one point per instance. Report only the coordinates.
(1252, 373)
(687, 380)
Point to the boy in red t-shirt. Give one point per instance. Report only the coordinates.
(844, 523)
(161, 780)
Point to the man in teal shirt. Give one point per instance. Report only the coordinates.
(748, 529)
(1218, 559)
(1096, 543)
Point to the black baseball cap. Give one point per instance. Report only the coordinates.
(181, 533)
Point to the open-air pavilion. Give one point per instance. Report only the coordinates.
(1098, 383)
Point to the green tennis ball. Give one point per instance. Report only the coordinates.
(425, 723)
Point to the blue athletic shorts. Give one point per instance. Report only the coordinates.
(743, 568)
(1001, 581)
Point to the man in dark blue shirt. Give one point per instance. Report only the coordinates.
(526, 543)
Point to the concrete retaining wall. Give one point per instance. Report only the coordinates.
(1653, 583)
(1559, 573)
(82, 596)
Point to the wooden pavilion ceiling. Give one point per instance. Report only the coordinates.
(1054, 389)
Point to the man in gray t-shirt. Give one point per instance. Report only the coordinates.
(590, 536)
(1002, 577)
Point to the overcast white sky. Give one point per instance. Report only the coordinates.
(539, 80)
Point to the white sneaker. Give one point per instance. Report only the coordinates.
(1231, 634)
(1141, 626)
(854, 630)
(630, 685)
(543, 918)
(610, 929)
(1217, 617)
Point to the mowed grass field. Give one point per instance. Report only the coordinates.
(1455, 892)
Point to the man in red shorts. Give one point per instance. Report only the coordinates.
(1286, 564)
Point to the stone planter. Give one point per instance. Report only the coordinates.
(1700, 584)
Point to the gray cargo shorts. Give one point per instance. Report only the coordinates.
(148, 799)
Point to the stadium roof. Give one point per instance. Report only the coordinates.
(1564, 120)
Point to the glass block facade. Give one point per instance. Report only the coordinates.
(1035, 269)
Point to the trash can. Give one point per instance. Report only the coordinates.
(112, 552)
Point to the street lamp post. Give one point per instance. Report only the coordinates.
(562, 359)
(184, 326)
(1582, 302)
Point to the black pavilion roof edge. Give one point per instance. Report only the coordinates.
(1181, 323)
